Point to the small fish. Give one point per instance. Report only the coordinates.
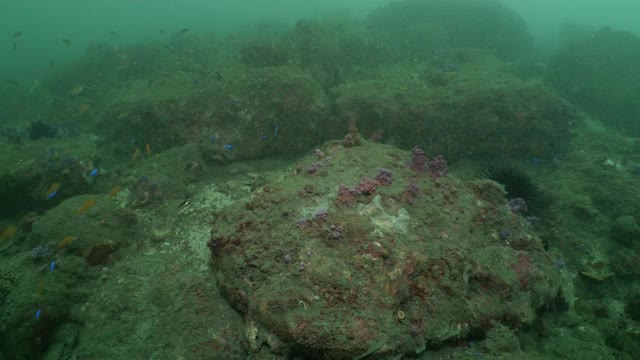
(53, 190)
(113, 33)
(82, 109)
(148, 150)
(66, 42)
(8, 232)
(94, 172)
(65, 171)
(51, 64)
(6, 238)
(66, 241)
(136, 154)
(14, 47)
(76, 90)
(123, 115)
(229, 147)
(114, 191)
(12, 82)
(17, 34)
(264, 138)
(87, 205)
(54, 187)
(212, 138)
(185, 30)
(275, 131)
(52, 266)
(38, 313)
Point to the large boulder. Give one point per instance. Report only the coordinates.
(462, 103)
(242, 113)
(341, 258)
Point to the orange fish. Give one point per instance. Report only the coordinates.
(8, 232)
(83, 108)
(114, 190)
(136, 154)
(54, 187)
(148, 148)
(87, 205)
(66, 241)
(6, 238)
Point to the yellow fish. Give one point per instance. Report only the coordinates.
(148, 148)
(66, 241)
(54, 187)
(136, 154)
(6, 238)
(114, 191)
(87, 205)
(82, 109)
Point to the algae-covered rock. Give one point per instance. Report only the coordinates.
(248, 114)
(340, 258)
(626, 231)
(88, 226)
(463, 103)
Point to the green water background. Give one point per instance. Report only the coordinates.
(45, 23)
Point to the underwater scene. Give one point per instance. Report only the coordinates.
(290, 180)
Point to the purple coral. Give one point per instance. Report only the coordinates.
(418, 160)
(302, 223)
(411, 192)
(438, 167)
(385, 177)
(517, 205)
(366, 186)
(321, 215)
(347, 196)
(313, 168)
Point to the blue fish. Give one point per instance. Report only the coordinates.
(212, 138)
(229, 147)
(263, 137)
(52, 195)
(536, 162)
(94, 172)
(52, 266)
(38, 313)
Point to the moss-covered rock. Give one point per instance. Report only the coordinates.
(463, 103)
(248, 114)
(341, 259)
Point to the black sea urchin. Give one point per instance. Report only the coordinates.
(517, 184)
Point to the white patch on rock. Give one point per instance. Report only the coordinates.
(381, 220)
